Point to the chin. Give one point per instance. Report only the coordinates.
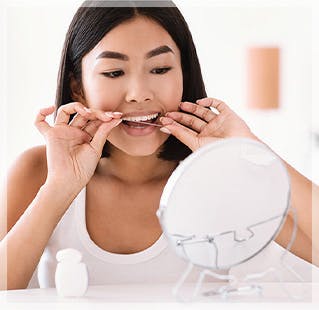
(142, 151)
(138, 147)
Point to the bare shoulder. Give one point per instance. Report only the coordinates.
(30, 167)
(25, 177)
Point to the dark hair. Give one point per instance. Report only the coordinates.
(94, 19)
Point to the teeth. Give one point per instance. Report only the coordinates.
(140, 118)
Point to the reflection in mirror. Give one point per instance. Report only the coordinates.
(225, 203)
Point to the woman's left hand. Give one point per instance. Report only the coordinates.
(205, 126)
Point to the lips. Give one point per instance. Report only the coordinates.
(131, 126)
(140, 113)
(137, 129)
(136, 124)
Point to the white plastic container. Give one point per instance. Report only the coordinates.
(71, 275)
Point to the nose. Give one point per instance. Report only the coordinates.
(138, 91)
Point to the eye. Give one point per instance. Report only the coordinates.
(161, 70)
(113, 74)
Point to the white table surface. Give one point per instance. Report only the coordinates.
(154, 293)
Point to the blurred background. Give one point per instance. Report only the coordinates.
(257, 56)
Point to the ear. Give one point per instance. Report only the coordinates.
(76, 89)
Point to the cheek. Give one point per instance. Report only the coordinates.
(100, 96)
(170, 92)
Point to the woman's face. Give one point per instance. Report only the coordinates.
(135, 69)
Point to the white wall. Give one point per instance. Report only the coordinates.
(223, 33)
(33, 34)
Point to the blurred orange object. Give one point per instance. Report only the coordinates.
(263, 77)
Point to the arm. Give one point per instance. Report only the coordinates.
(30, 225)
(25, 242)
(37, 201)
(305, 200)
(303, 196)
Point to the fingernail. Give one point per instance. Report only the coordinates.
(109, 114)
(87, 110)
(117, 113)
(165, 130)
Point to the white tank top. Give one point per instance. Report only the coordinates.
(156, 264)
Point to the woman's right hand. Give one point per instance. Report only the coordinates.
(73, 150)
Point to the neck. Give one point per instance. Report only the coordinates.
(135, 170)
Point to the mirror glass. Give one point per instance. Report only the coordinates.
(225, 203)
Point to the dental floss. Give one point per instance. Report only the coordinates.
(71, 275)
(151, 124)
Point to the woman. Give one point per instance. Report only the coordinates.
(96, 184)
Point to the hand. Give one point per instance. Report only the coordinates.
(73, 150)
(205, 126)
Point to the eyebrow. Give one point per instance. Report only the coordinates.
(116, 55)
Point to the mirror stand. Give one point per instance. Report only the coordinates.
(223, 291)
(235, 286)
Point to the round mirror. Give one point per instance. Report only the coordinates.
(225, 203)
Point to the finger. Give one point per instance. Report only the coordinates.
(188, 120)
(79, 121)
(92, 127)
(106, 116)
(182, 133)
(219, 105)
(65, 111)
(94, 114)
(103, 116)
(200, 111)
(40, 121)
(102, 133)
